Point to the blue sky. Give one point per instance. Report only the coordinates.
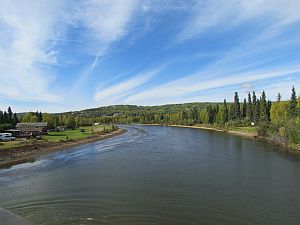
(60, 55)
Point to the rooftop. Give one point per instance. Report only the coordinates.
(38, 124)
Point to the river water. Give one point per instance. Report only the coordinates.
(158, 175)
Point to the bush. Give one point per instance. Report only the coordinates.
(263, 129)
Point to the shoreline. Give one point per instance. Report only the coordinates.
(252, 135)
(27, 153)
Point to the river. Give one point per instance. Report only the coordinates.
(155, 175)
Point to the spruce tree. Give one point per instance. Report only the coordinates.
(278, 98)
(255, 104)
(210, 114)
(15, 120)
(269, 110)
(244, 109)
(236, 105)
(1, 117)
(9, 115)
(250, 108)
(40, 117)
(5, 118)
(293, 104)
(263, 109)
(225, 116)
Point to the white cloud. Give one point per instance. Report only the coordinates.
(104, 22)
(119, 91)
(28, 31)
(275, 15)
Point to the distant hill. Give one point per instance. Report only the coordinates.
(115, 110)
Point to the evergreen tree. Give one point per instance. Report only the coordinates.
(244, 109)
(250, 108)
(15, 120)
(264, 109)
(225, 116)
(236, 105)
(255, 106)
(269, 110)
(258, 110)
(211, 114)
(293, 104)
(5, 118)
(278, 98)
(9, 115)
(40, 117)
(1, 117)
(231, 112)
(194, 115)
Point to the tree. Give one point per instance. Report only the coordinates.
(194, 115)
(279, 113)
(244, 109)
(15, 119)
(226, 113)
(71, 123)
(211, 114)
(40, 117)
(256, 111)
(293, 104)
(264, 118)
(29, 118)
(220, 115)
(249, 109)
(278, 98)
(5, 118)
(1, 117)
(9, 115)
(203, 116)
(184, 116)
(236, 106)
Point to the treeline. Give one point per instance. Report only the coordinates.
(69, 120)
(252, 110)
(8, 119)
(279, 119)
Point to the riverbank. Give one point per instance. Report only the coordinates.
(25, 153)
(294, 150)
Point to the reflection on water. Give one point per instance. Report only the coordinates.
(157, 175)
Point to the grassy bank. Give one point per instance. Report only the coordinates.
(54, 141)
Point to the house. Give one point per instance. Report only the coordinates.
(32, 128)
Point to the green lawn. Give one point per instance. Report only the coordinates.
(74, 134)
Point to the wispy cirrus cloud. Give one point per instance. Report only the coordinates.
(118, 92)
(28, 33)
(272, 16)
(104, 23)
